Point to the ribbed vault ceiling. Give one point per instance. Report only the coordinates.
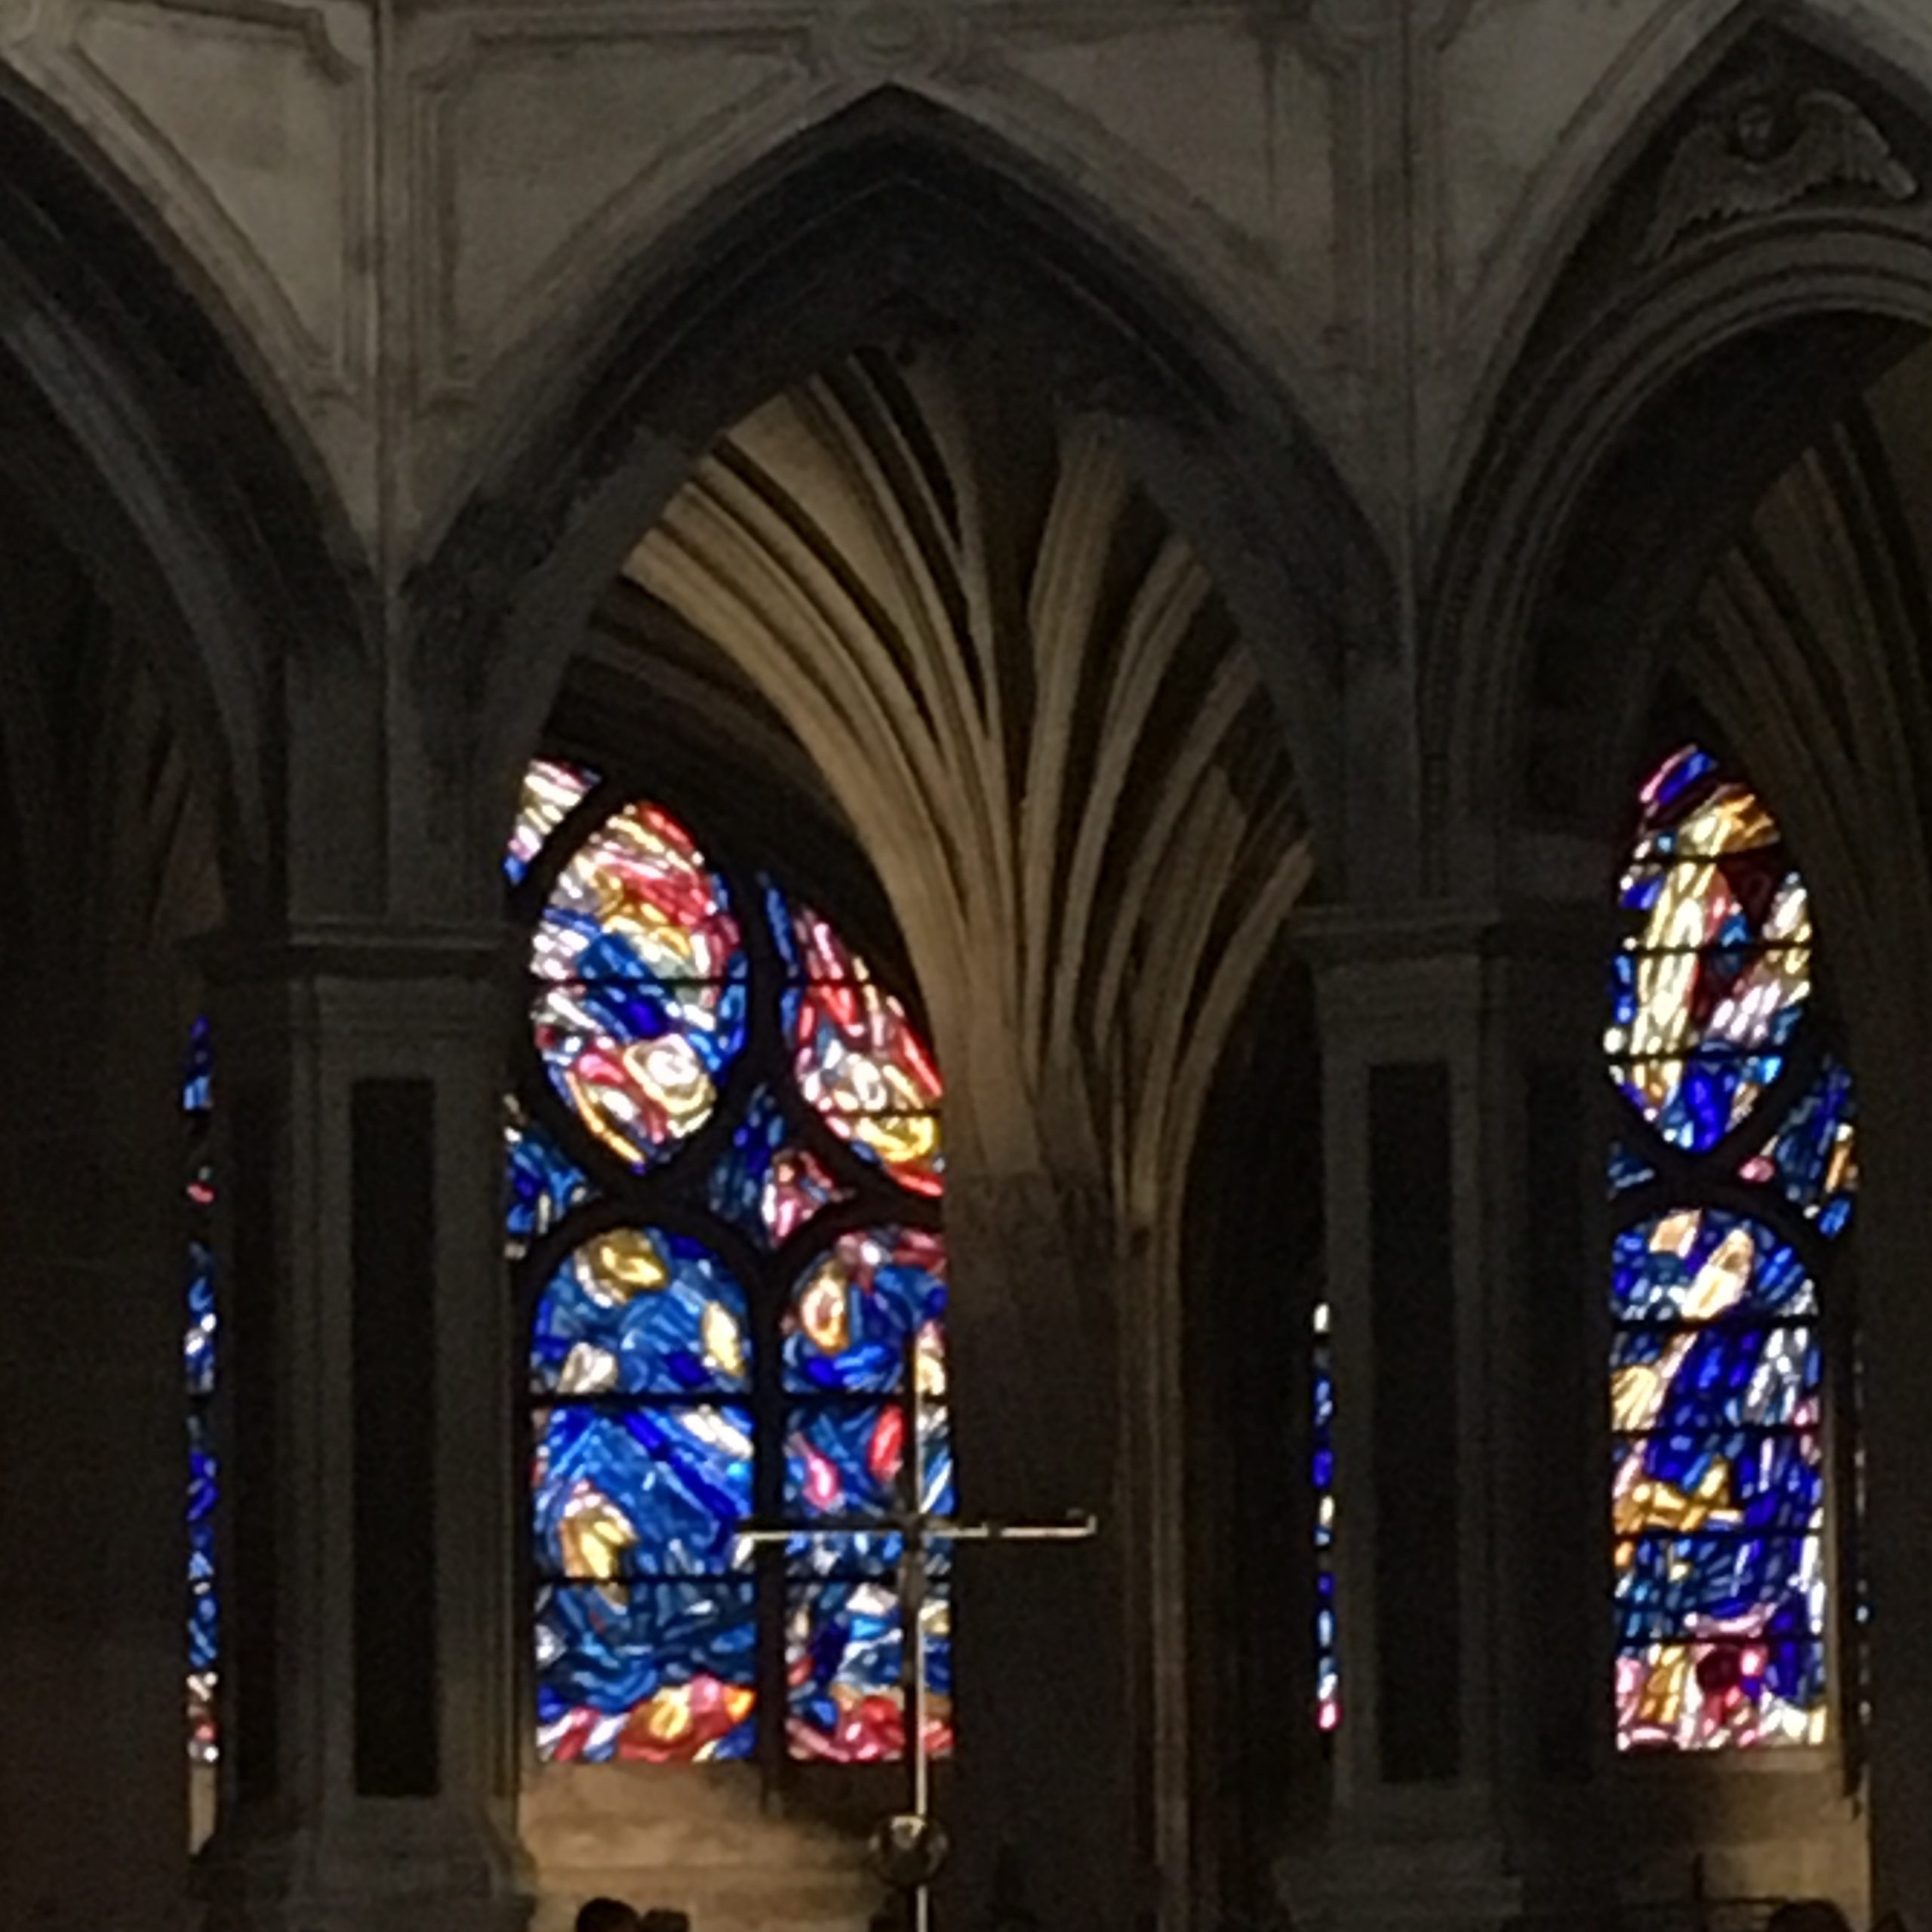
(1813, 641)
(1026, 697)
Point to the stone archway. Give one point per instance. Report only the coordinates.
(163, 554)
(1697, 431)
(893, 321)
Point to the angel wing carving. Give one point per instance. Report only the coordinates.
(1713, 177)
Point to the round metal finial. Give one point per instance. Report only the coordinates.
(907, 1850)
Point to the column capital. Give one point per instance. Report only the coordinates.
(359, 1075)
(1431, 972)
(1350, 936)
(400, 994)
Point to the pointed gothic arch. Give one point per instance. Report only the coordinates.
(765, 447)
(1695, 480)
(896, 211)
(1705, 367)
(153, 445)
(837, 552)
(1611, 144)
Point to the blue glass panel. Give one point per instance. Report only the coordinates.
(198, 1344)
(204, 1606)
(766, 1185)
(847, 1459)
(641, 1492)
(199, 1365)
(1695, 1100)
(1322, 1481)
(1718, 1484)
(1668, 1586)
(641, 1003)
(659, 1672)
(1729, 1375)
(640, 1311)
(844, 1655)
(1668, 786)
(1812, 1159)
(848, 1326)
(1696, 1264)
(198, 1069)
(784, 933)
(855, 1309)
(1627, 1170)
(543, 1182)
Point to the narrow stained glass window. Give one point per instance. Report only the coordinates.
(204, 1626)
(725, 1168)
(1322, 1481)
(1733, 1177)
(199, 1344)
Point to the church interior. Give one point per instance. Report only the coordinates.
(1006, 934)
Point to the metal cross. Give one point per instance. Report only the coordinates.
(915, 1833)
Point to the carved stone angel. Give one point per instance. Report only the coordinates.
(1755, 161)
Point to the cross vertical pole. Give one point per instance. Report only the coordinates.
(913, 1609)
(914, 1836)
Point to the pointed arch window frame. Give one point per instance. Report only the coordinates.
(676, 1191)
(1668, 1187)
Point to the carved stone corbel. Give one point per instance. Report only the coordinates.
(1762, 152)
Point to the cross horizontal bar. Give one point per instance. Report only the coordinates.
(1075, 1529)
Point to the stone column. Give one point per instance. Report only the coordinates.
(94, 1817)
(1450, 1043)
(372, 1659)
(1050, 1812)
(1891, 1042)
(1548, 1116)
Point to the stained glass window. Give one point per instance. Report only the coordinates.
(1322, 1481)
(204, 1615)
(724, 1172)
(1733, 1178)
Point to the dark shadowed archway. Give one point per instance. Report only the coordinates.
(1662, 387)
(155, 448)
(173, 574)
(1700, 481)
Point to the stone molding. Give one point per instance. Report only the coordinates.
(353, 950)
(1332, 301)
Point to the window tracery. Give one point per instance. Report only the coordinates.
(725, 1170)
(1733, 1175)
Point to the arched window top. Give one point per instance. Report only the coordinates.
(725, 1168)
(1715, 976)
(1734, 1169)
